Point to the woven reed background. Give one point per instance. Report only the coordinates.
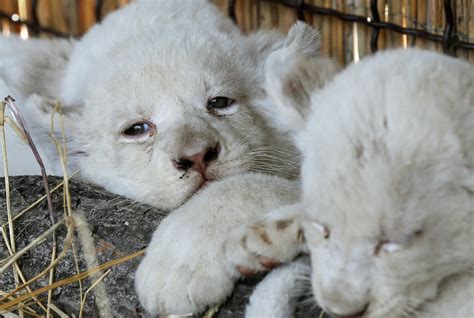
(346, 41)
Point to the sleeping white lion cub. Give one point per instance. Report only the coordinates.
(388, 183)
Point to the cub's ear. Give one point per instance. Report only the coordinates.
(301, 39)
(35, 66)
(45, 119)
(293, 72)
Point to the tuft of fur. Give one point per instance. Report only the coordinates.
(302, 70)
(388, 200)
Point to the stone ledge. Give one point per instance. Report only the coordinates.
(119, 227)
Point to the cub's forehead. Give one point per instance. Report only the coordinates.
(378, 192)
(181, 56)
(183, 49)
(174, 72)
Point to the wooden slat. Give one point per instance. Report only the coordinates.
(268, 15)
(362, 31)
(77, 16)
(325, 29)
(10, 7)
(421, 20)
(58, 16)
(432, 21)
(464, 10)
(395, 16)
(337, 34)
(86, 15)
(286, 18)
(382, 39)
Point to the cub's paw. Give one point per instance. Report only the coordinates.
(277, 239)
(183, 272)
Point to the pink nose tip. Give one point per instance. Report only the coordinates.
(198, 161)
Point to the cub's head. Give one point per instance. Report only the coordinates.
(388, 198)
(167, 111)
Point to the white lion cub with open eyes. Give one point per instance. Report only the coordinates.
(159, 99)
(388, 183)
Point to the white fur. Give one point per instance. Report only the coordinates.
(278, 294)
(298, 78)
(159, 65)
(191, 260)
(161, 61)
(388, 168)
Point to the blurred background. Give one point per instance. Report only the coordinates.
(422, 21)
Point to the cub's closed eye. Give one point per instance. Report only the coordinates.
(387, 247)
(392, 247)
(140, 129)
(321, 228)
(219, 102)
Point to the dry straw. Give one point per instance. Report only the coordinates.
(23, 300)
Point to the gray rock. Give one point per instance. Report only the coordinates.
(119, 227)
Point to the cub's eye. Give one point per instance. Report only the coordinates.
(321, 228)
(392, 247)
(140, 129)
(219, 102)
(387, 247)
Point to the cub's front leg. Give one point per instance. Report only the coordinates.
(193, 259)
(275, 237)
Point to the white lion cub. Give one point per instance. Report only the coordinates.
(388, 183)
(158, 100)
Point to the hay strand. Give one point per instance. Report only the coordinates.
(72, 279)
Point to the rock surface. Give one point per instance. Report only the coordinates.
(119, 227)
